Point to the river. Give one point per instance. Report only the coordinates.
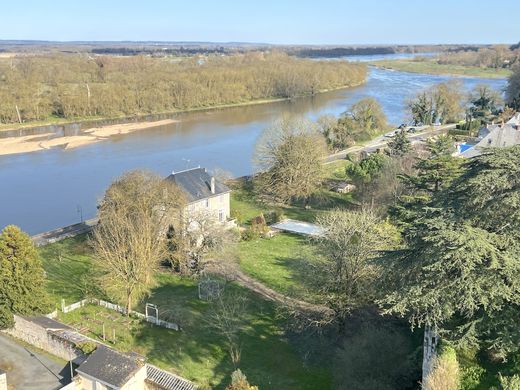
(52, 188)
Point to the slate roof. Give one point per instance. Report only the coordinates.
(499, 137)
(196, 183)
(46, 323)
(109, 366)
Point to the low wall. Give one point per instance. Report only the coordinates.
(64, 232)
(38, 336)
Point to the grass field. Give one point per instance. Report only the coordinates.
(244, 203)
(279, 262)
(430, 67)
(197, 352)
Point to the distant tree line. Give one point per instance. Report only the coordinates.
(497, 56)
(159, 51)
(82, 86)
(343, 51)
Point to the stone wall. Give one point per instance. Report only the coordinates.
(38, 336)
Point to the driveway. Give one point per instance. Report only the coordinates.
(27, 370)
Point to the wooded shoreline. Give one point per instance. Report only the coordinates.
(47, 140)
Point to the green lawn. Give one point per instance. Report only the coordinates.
(246, 206)
(279, 262)
(197, 352)
(431, 67)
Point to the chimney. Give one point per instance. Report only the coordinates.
(212, 184)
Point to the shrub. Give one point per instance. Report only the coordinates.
(471, 377)
(237, 215)
(239, 382)
(509, 382)
(274, 216)
(249, 234)
(6, 317)
(87, 347)
(259, 226)
(445, 372)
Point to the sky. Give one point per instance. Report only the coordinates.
(333, 22)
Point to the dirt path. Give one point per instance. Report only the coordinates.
(268, 293)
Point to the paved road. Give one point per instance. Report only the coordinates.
(27, 370)
(379, 142)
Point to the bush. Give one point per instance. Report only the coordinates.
(87, 347)
(6, 318)
(259, 226)
(445, 372)
(237, 215)
(274, 216)
(239, 382)
(509, 382)
(471, 377)
(249, 234)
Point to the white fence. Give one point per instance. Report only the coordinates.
(73, 306)
(119, 309)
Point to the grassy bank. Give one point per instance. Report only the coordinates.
(430, 67)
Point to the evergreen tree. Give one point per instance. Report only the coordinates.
(460, 269)
(438, 169)
(21, 277)
(399, 145)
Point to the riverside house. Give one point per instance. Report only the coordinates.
(204, 192)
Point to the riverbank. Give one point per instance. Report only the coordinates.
(430, 67)
(4, 127)
(33, 143)
(48, 140)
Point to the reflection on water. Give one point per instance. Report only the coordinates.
(42, 190)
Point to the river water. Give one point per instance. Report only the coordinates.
(52, 188)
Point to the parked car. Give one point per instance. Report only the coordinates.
(412, 130)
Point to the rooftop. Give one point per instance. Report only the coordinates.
(196, 183)
(111, 367)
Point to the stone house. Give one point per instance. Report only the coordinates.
(204, 192)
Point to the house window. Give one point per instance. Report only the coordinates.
(221, 215)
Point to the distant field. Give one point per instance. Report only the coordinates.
(430, 67)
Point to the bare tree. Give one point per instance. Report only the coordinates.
(288, 159)
(129, 240)
(350, 241)
(199, 233)
(227, 317)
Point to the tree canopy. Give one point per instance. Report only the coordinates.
(440, 103)
(513, 89)
(460, 268)
(37, 87)
(22, 283)
(288, 159)
(130, 239)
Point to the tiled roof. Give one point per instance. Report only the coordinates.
(196, 183)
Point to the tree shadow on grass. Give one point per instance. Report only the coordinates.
(200, 353)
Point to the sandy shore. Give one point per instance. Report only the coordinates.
(33, 143)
